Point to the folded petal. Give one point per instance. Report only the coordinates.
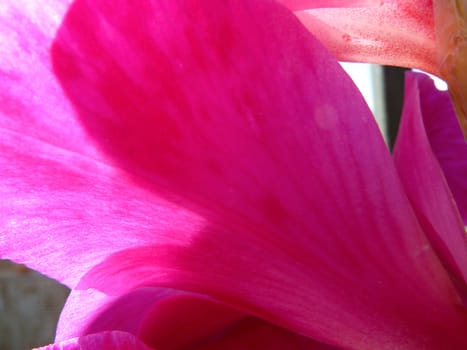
(168, 319)
(187, 320)
(102, 341)
(399, 33)
(235, 116)
(162, 318)
(90, 311)
(446, 139)
(423, 177)
(251, 334)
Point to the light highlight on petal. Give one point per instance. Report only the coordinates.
(102, 341)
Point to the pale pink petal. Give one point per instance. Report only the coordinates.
(100, 341)
(446, 139)
(32, 102)
(425, 183)
(61, 213)
(395, 32)
(90, 311)
(296, 5)
(236, 117)
(79, 309)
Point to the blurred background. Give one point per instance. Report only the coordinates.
(29, 307)
(30, 303)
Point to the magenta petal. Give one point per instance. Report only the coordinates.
(252, 334)
(300, 218)
(175, 320)
(162, 318)
(446, 139)
(60, 199)
(58, 206)
(186, 320)
(100, 341)
(423, 177)
(236, 117)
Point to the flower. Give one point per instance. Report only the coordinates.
(426, 34)
(204, 174)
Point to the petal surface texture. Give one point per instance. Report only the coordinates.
(423, 176)
(100, 341)
(61, 201)
(394, 32)
(211, 154)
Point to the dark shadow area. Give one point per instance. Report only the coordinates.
(394, 97)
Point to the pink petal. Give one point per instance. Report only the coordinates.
(163, 319)
(58, 206)
(252, 334)
(90, 311)
(184, 321)
(296, 5)
(175, 320)
(62, 199)
(399, 33)
(80, 309)
(424, 180)
(100, 341)
(446, 139)
(236, 117)
(269, 158)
